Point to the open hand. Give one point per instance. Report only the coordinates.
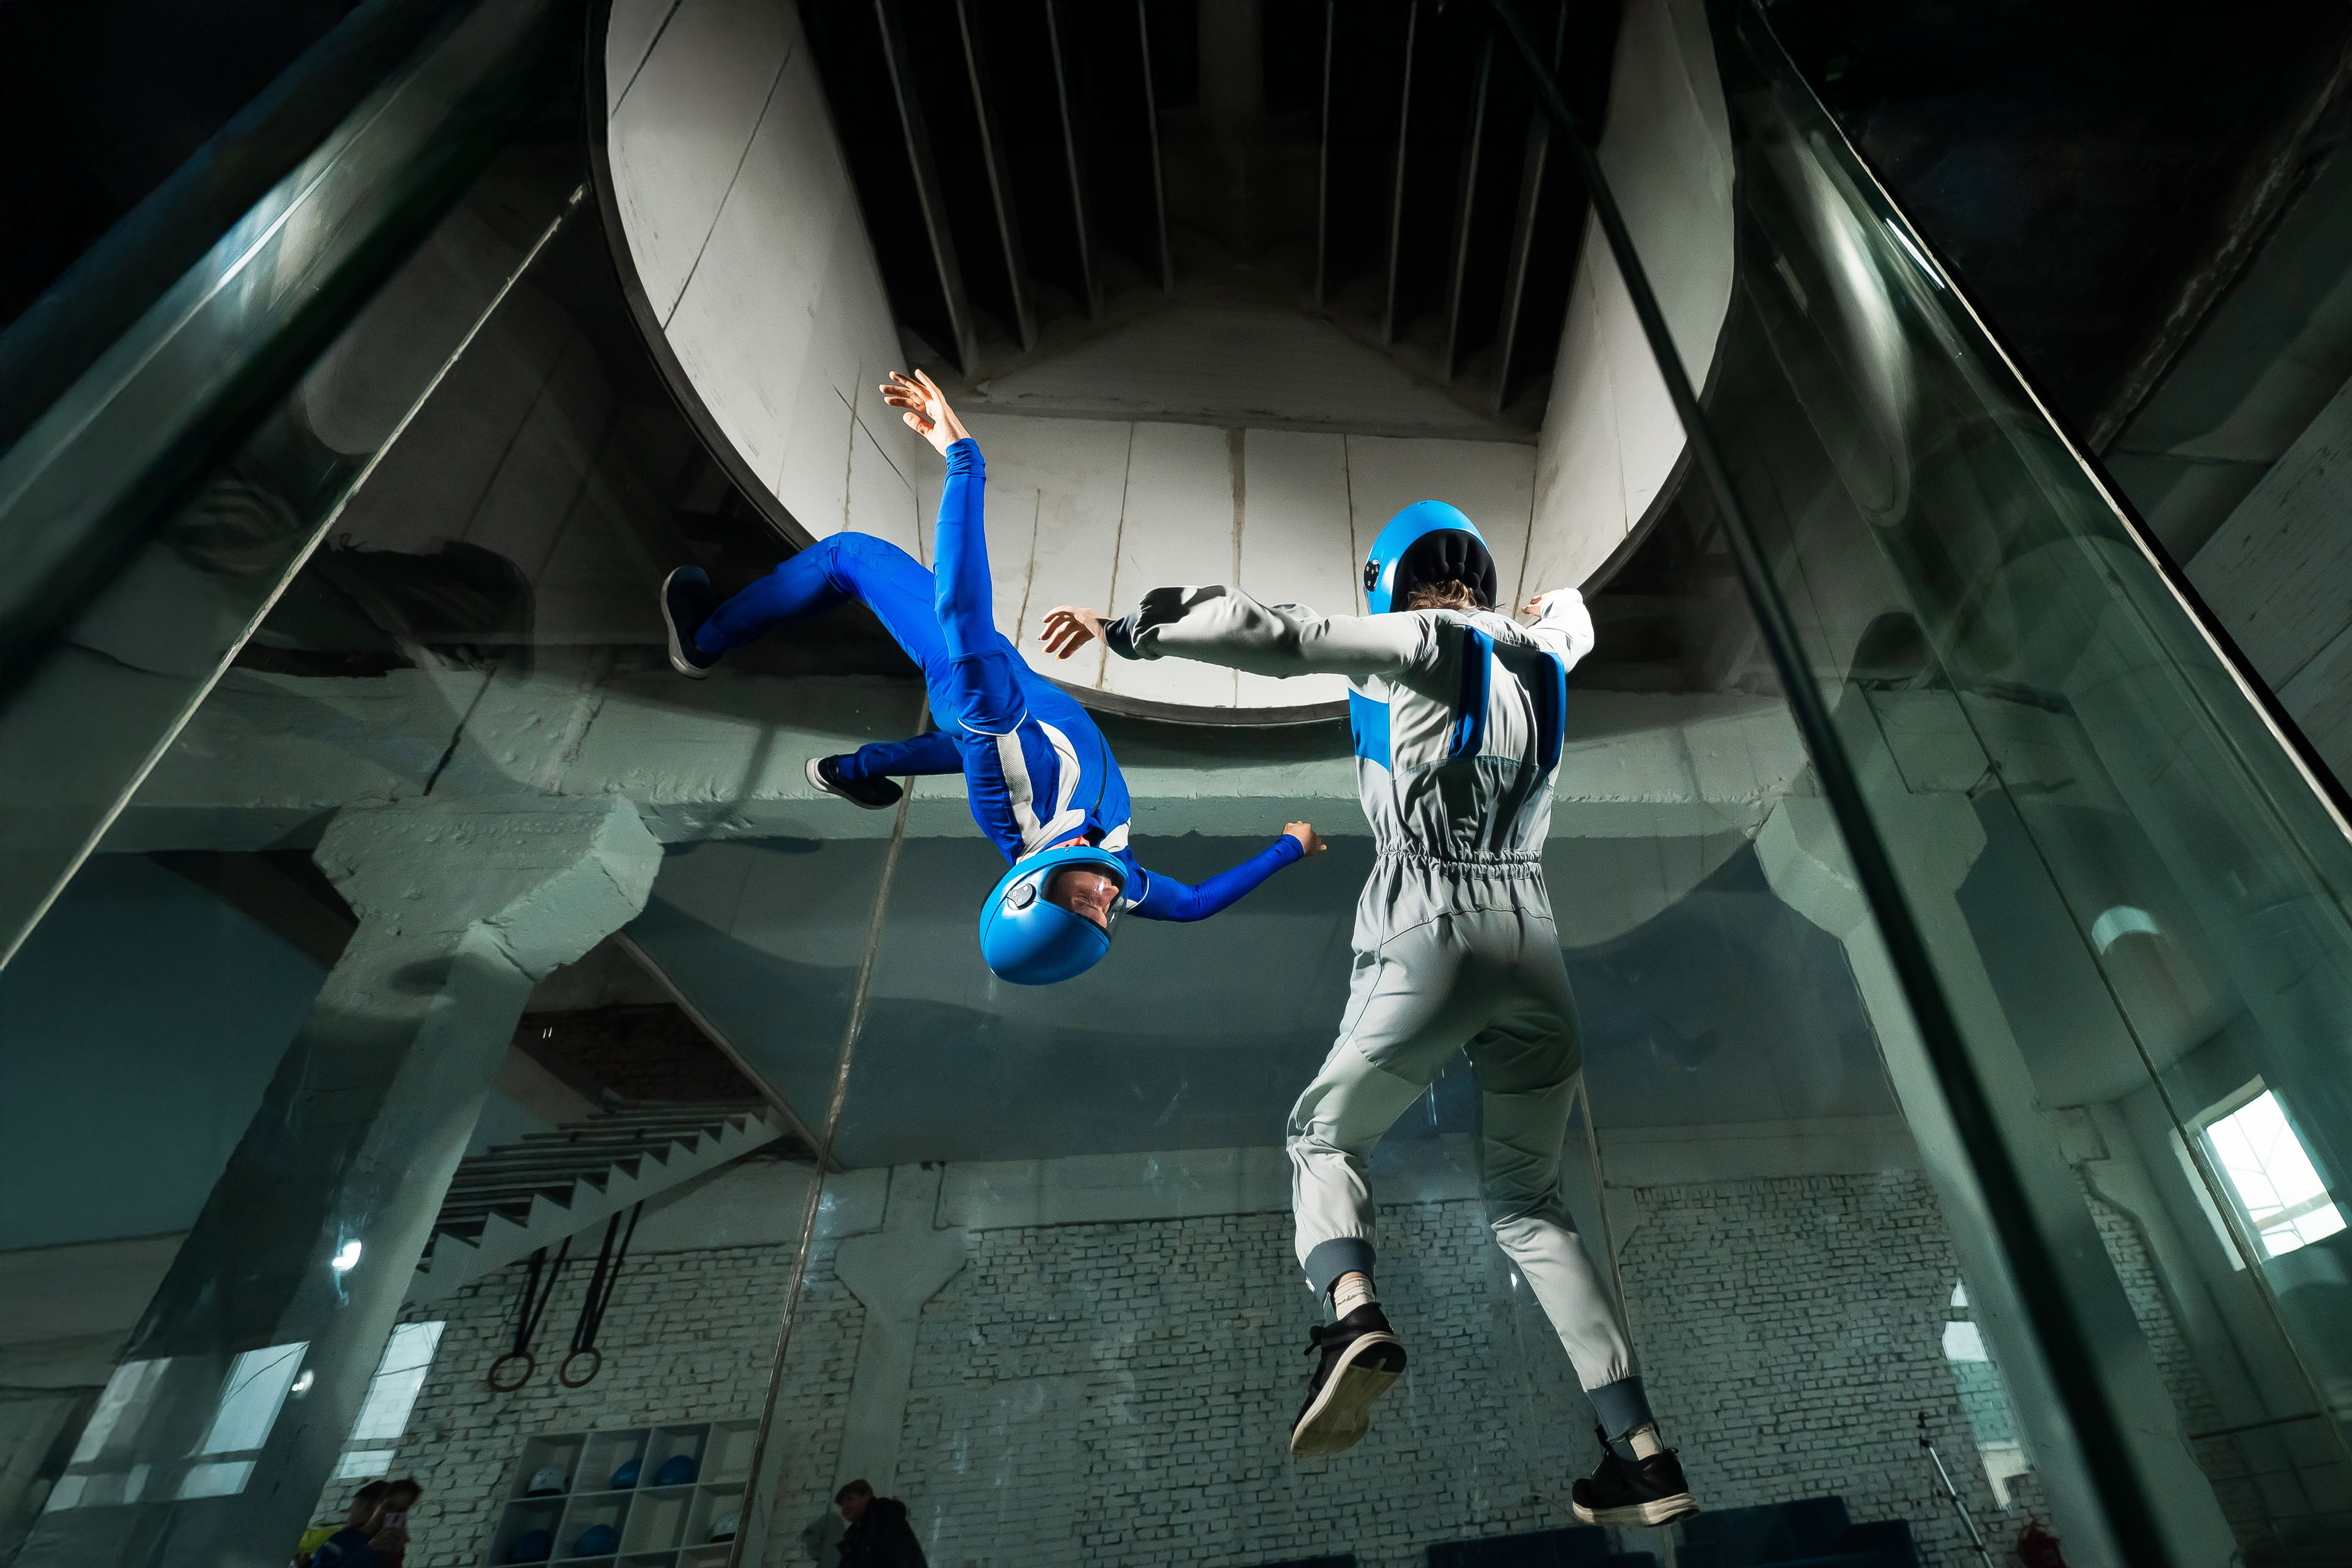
(924, 407)
(1308, 839)
(1068, 628)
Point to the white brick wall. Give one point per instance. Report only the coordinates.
(689, 1336)
(2243, 1503)
(1121, 1394)
(1118, 1393)
(812, 1402)
(1791, 1331)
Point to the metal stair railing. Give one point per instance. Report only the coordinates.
(515, 1197)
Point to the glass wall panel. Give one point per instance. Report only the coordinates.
(157, 508)
(481, 1055)
(2132, 889)
(1054, 1308)
(308, 1184)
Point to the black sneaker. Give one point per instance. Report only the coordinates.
(1633, 1492)
(1361, 1357)
(874, 794)
(686, 603)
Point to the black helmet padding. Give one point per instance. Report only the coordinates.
(1447, 555)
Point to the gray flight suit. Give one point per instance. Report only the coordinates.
(1457, 720)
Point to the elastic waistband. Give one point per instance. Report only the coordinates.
(1508, 862)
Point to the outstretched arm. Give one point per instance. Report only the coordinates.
(1227, 626)
(1562, 624)
(962, 595)
(1166, 899)
(987, 692)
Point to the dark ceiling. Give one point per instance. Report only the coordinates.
(101, 99)
(1379, 162)
(2086, 168)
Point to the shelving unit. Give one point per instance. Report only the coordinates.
(658, 1527)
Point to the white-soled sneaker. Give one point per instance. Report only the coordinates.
(874, 794)
(686, 603)
(1361, 1358)
(1633, 1492)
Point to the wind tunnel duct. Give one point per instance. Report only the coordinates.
(1173, 437)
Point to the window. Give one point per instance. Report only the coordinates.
(117, 1456)
(1983, 1400)
(391, 1395)
(2272, 1183)
(250, 1397)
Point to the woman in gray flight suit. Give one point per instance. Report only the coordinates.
(1456, 713)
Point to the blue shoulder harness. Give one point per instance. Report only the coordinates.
(1540, 671)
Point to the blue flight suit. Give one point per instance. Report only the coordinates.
(1037, 771)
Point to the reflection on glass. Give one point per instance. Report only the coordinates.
(373, 662)
(249, 1400)
(90, 1477)
(1037, 1241)
(115, 607)
(391, 1395)
(1985, 1401)
(2269, 1171)
(2135, 897)
(118, 1454)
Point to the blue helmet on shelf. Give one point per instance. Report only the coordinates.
(626, 1476)
(1428, 542)
(675, 1470)
(597, 1541)
(532, 1546)
(1030, 941)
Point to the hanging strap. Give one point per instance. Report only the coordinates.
(1546, 682)
(1469, 736)
(600, 1284)
(530, 1306)
(603, 1281)
(1545, 679)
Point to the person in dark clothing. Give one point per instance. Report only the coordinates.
(399, 1497)
(879, 1535)
(365, 1539)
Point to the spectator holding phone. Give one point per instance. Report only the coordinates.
(375, 1528)
(349, 1547)
(390, 1542)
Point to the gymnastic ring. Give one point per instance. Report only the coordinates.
(563, 1374)
(530, 1365)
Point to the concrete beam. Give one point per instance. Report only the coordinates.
(269, 757)
(892, 1272)
(310, 1238)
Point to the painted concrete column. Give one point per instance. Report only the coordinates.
(251, 1364)
(892, 1272)
(2248, 841)
(1935, 839)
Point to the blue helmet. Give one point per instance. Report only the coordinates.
(1030, 941)
(1428, 542)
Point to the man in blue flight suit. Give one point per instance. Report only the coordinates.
(1043, 784)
